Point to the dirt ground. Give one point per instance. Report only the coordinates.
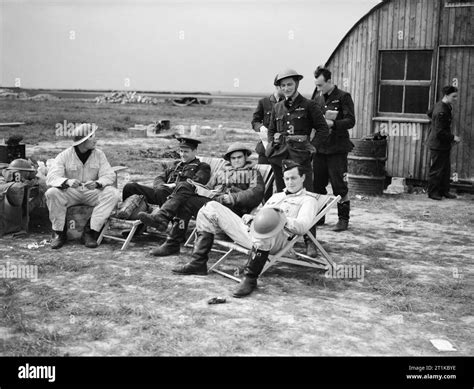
(417, 255)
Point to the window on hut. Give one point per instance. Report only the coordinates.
(405, 81)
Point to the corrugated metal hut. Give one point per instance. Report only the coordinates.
(395, 61)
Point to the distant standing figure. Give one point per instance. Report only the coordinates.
(440, 141)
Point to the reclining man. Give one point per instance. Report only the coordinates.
(81, 174)
(238, 185)
(267, 234)
(172, 179)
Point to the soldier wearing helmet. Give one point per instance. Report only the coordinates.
(290, 129)
(238, 185)
(284, 214)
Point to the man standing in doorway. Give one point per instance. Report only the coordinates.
(440, 141)
(330, 163)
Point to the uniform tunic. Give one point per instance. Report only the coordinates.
(289, 136)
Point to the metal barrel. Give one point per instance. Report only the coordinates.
(366, 166)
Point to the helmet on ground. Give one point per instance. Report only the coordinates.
(22, 165)
(267, 223)
(287, 73)
(19, 170)
(15, 194)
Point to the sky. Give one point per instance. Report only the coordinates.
(162, 45)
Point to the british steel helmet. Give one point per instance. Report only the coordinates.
(19, 170)
(15, 194)
(287, 73)
(267, 223)
(22, 165)
(237, 146)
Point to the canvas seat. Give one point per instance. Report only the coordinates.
(114, 222)
(284, 255)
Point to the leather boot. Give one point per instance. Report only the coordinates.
(59, 238)
(89, 236)
(174, 239)
(311, 249)
(156, 220)
(251, 272)
(343, 210)
(200, 255)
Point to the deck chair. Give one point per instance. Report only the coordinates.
(324, 263)
(268, 178)
(114, 222)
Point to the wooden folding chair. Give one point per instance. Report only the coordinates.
(301, 259)
(113, 222)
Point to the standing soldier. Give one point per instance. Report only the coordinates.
(440, 140)
(261, 120)
(330, 163)
(290, 129)
(292, 122)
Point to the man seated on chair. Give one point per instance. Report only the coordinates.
(266, 234)
(172, 179)
(238, 185)
(81, 174)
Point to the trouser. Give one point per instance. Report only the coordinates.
(331, 168)
(280, 182)
(263, 160)
(215, 217)
(440, 172)
(183, 203)
(103, 200)
(152, 196)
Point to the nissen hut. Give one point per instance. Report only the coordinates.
(395, 62)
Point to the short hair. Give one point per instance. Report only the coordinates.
(447, 90)
(326, 73)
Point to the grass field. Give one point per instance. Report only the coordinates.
(417, 256)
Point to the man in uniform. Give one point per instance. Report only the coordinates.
(172, 180)
(283, 215)
(261, 120)
(238, 185)
(81, 174)
(330, 163)
(290, 129)
(293, 120)
(440, 141)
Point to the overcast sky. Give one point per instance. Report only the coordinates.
(193, 45)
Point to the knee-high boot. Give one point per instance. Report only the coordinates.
(202, 247)
(251, 272)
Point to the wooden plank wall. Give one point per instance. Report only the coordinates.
(354, 69)
(416, 19)
(456, 26)
(458, 63)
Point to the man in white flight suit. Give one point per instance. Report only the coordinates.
(285, 214)
(81, 174)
